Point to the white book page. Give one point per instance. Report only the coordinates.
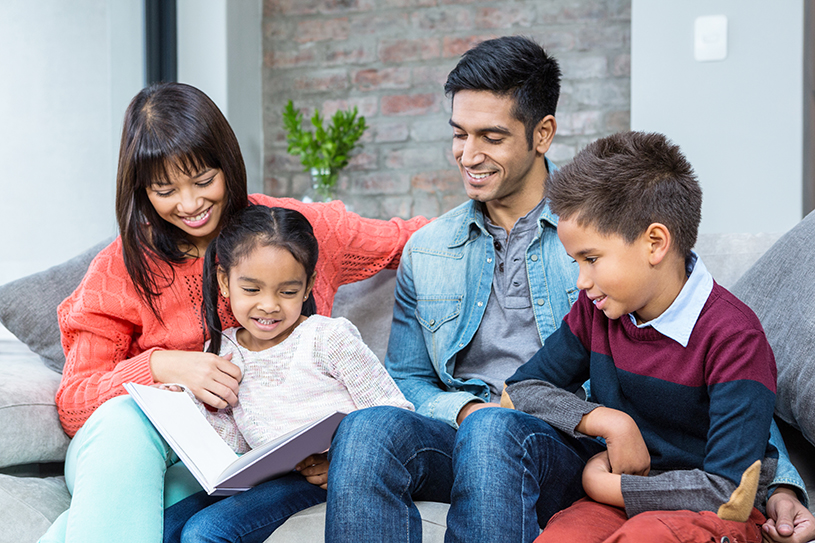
(186, 430)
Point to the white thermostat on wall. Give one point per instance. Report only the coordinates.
(710, 38)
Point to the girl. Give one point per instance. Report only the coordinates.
(296, 367)
(136, 315)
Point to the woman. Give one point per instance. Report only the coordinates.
(136, 316)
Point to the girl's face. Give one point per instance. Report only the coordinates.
(194, 203)
(266, 291)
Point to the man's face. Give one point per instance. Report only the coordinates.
(491, 148)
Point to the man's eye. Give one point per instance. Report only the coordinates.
(591, 259)
(493, 141)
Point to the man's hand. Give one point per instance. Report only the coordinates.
(315, 469)
(600, 484)
(627, 452)
(788, 521)
(471, 408)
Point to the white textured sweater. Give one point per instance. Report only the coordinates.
(322, 367)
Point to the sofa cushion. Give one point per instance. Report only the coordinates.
(28, 506)
(780, 288)
(28, 306)
(30, 431)
(308, 526)
(369, 305)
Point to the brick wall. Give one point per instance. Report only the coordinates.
(390, 58)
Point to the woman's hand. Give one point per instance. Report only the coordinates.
(212, 379)
(788, 521)
(315, 469)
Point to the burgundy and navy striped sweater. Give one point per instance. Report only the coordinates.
(704, 410)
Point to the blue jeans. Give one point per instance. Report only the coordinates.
(504, 473)
(247, 517)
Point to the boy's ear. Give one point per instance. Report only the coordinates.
(544, 134)
(223, 282)
(659, 241)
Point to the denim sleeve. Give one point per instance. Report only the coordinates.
(408, 360)
(785, 472)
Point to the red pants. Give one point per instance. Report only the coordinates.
(587, 521)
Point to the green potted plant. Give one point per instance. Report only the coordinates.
(325, 151)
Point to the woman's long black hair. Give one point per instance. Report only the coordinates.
(166, 126)
(252, 227)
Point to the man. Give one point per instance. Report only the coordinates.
(478, 292)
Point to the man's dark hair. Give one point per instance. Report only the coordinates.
(623, 183)
(512, 66)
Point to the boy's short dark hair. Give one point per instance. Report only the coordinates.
(513, 66)
(623, 183)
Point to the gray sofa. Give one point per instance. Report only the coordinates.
(32, 444)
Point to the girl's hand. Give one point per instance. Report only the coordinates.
(315, 469)
(212, 379)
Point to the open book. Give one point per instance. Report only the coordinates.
(216, 466)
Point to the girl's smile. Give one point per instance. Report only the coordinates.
(266, 290)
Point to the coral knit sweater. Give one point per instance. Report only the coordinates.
(109, 334)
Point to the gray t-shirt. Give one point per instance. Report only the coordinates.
(508, 335)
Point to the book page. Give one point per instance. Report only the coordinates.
(186, 430)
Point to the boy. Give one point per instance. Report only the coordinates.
(683, 379)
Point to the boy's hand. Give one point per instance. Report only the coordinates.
(627, 452)
(315, 469)
(599, 483)
(788, 521)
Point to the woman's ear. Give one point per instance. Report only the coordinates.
(310, 286)
(223, 282)
(659, 241)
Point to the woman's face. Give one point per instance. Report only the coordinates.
(193, 203)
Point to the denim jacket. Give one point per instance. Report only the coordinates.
(442, 288)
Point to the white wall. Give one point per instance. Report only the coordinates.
(739, 121)
(220, 52)
(67, 73)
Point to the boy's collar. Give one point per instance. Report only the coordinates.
(677, 322)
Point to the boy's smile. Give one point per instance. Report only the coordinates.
(619, 277)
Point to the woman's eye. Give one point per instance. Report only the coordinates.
(250, 290)
(162, 193)
(206, 183)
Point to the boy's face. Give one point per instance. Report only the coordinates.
(491, 149)
(616, 275)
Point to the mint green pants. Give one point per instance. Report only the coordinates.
(115, 470)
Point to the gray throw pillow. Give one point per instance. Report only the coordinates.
(780, 288)
(28, 306)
